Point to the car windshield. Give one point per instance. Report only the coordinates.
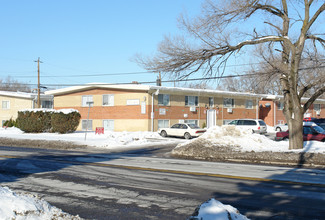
(319, 129)
(193, 126)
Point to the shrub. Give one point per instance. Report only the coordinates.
(34, 121)
(10, 123)
(65, 123)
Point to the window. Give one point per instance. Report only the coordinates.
(108, 125)
(234, 122)
(5, 104)
(191, 100)
(191, 122)
(308, 130)
(280, 105)
(85, 99)
(3, 122)
(176, 126)
(90, 125)
(108, 100)
(227, 122)
(246, 122)
(317, 107)
(163, 99)
(249, 104)
(47, 104)
(211, 102)
(228, 103)
(163, 124)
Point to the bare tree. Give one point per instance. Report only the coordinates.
(229, 27)
(9, 84)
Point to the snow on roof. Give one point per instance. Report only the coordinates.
(98, 85)
(180, 90)
(281, 97)
(25, 95)
(150, 89)
(167, 90)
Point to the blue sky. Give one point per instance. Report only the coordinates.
(84, 37)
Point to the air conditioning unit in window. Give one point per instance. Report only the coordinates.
(229, 110)
(193, 109)
(318, 113)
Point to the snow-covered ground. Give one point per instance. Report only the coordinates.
(28, 207)
(243, 140)
(225, 135)
(13, 206)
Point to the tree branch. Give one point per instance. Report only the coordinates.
(313, 98)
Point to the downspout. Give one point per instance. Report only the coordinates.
(274, 111)
(152, 109)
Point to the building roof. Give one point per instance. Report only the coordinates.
(24, 95)
(149, 89)
(167, 90)
(96, 86)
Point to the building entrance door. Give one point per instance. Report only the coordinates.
(211, 118)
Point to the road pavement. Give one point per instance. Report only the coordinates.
(146, 184)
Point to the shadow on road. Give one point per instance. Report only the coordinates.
(12, 169)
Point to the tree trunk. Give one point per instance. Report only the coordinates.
(295, 125)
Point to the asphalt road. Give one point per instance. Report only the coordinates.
(146, 184)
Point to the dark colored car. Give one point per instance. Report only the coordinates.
(311, 133)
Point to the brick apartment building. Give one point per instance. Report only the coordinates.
(137, 107)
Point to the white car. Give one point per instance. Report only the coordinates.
(182, 130)
(281, 127)
(256, 125)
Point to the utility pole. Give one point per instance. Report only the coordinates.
(38, 84)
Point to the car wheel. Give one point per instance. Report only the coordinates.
(187, 136)
(278, 129)
(163, 133)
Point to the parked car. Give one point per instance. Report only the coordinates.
(256, 125)
(281, 127)
(182, 130)
(311, 132)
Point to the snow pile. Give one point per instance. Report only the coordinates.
(128, 138)
(27, 206)
(241, 139)
(215, 210)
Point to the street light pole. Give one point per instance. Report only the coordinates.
(89, 104)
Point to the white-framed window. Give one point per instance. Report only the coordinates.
(108, 100)
(211, 102)
(85, 99)
(228, 103)
(3, 122)
(47, 104)
(163, 99)
(108, 125)
(317, 107)
(190, 121)
(5, 104)
(163, 124)
(84, 125)
(249, 104)
(191, 100)
(280, 105)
